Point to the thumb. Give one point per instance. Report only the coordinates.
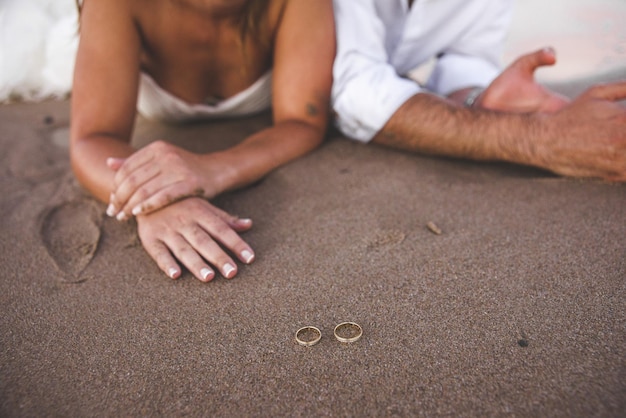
(530, 62)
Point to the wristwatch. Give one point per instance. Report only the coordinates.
(472, 96)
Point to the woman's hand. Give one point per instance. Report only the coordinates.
(191, 231)
(158, 175)
(515, 89)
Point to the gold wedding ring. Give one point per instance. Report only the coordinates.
(308, 336)
(348, 332)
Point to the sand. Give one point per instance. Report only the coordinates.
(517, 308)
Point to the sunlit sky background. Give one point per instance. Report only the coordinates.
(588, 35)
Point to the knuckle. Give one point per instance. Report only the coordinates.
(162, 257)
(196, 205)
(156, 249)
(120, 175)
(158, 145)
(142, 193)
(196, 188)
(148, 207)
(170, 157)
(182, 251)
(168, 198)
(221, 229)
(132, 181)
(159, 149)
(180, 221)
(199, 236)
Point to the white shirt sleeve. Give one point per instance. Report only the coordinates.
(473, 60)
(466, 35)
(367, 90)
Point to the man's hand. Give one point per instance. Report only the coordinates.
(192, 231)
(588, 137)
(156, 176)
(516, 90)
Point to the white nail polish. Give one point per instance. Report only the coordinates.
(136, 210)
(228, 269)
(172, 272)
(247, 256)
(205, 272)
(111, 210)
(121, 216)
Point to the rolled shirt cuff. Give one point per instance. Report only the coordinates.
(369, 101)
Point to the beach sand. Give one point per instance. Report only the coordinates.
(518, 308)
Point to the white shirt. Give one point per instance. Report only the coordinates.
(380, 41)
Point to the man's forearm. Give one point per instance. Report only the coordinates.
(433, 125)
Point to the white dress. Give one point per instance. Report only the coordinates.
(38, 43)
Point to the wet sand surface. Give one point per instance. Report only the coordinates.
(517, 308)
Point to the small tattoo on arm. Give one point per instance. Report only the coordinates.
(311, 109)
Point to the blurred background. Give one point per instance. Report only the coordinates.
(588, 35)
(38, 40)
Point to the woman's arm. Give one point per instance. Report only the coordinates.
(103, 111)
(302, 78)
(304, 50)
(304, 53)
(104, 93)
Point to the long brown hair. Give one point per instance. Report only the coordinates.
(253, 21)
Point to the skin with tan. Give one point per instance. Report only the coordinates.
(517, 120)
(194, 50)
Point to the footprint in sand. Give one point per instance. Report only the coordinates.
(384, 238)
(71, 233)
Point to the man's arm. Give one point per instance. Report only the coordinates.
(587, 138)
(369, 83)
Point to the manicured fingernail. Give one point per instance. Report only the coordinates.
(205, 273)
(228, 270)
(247, 256)
(246, 221)
(111, 210)
(110, 161)
(121, 216)
(136, 210)
(172, 272)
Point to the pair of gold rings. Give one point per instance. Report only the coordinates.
(346, 332)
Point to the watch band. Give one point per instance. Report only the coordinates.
(472, 96)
